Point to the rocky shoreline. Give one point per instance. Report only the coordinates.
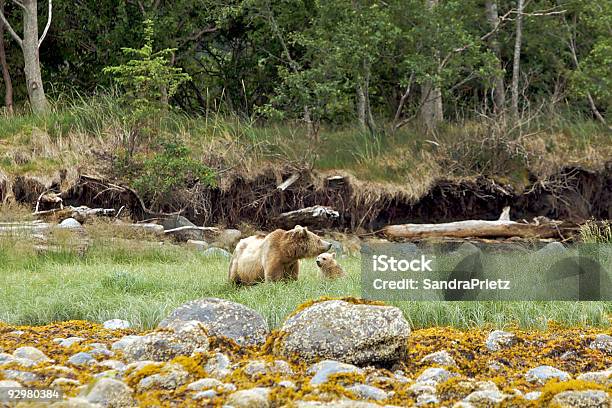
(328, 353)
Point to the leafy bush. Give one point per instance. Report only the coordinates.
(170, 171)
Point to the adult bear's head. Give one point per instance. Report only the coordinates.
(304, 244)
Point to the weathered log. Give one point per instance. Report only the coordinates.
(287, 183)
(187, 233)
(81, 214)
(501, 228)
(309, 216)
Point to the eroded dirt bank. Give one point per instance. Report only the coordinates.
(572, 194)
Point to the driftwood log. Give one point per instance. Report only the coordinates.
(501, 228)
(309, 216)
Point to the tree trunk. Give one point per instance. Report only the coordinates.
(33, 76)
(361, 106)
(431, 96)
(499, 91)
(516, 65)
(431, 105)
(6, 75)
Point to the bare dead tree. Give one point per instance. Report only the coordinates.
(6, 74)
(516, 62)
(431, 95)
(499, 89)
(30, 45)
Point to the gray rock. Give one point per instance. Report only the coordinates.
(223, 318)
(6, 358)
(336, 247)
(208, 394)
(582, 399)
(421, 388)
(532, 396)
(258, 368)
(485, 398)
(500, 339)
(435, 375)
(218, 366)
(109, 392)
(70, 223)
(351, 333)
(323, 369)
(442, 358)
(70, 341)
(116, 324)
(542, 374)
(81, 358)
(227, 239)
(164, 345)
(343, 403)
(364, 391)
(64, 382)
(74, 402)
(552, 248)
(286, 384)
(599, 377)
(427, 399)
(198, 245)
(602, 342)
(30, 353)
(122, 343)
(215, 252)
(18, 375)
(10, 384)
(204, 384)
(250, 398)
(175, 221)
(171, 377)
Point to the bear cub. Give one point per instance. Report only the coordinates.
(329, 267)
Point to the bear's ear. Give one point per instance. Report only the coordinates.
(333, 255)
(300, 230)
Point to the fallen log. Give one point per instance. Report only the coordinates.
(309, 216)
(187, 233)
(81, 214)
(501, 228)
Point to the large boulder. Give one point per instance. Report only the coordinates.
(108, 392)
(179, 339)
(344, 331)
(582, 399)
(223, 318)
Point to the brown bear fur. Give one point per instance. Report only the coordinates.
(275, 256)
(329, 267)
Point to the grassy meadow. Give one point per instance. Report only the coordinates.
(143, 281)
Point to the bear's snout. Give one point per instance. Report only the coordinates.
(327, 245)
(318, 262)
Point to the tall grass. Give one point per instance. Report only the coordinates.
(596, 233)
(143, 282)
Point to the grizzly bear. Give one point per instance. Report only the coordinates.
(275, 256)
(329, 267)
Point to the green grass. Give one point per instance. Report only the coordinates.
(143, 283)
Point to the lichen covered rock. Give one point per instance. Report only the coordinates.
(164, 345)
(347, 332)
(223, 318)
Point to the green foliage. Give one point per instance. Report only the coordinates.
(170, 171)
(148, 79)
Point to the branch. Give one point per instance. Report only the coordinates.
(501, 20)
(10, 29)
(44, 34)
(20, 4)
